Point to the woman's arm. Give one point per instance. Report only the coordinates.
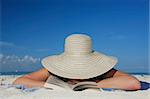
(35, 79)
(119, 80)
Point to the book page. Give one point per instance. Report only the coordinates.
(56, 83)
(53, 87)
(84, 85)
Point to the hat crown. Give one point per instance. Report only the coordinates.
(78, 44)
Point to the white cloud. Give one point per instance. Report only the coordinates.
(8, 59)
(3, 43)
(13, 62)
(1, 56)
(30, 59)
(10, 45)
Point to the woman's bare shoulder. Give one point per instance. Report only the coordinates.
(41, 74)
(113, 73)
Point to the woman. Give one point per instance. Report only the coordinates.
(79, 63)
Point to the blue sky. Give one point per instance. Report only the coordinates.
(33, 29)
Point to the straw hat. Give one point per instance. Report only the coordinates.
(79, 61)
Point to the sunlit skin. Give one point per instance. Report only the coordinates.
(117, 80)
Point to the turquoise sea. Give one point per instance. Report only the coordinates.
(22, 73)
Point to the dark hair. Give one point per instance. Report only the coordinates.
(62, 78)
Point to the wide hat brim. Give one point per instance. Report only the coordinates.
(79, 67)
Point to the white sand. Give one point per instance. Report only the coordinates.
(13, 93)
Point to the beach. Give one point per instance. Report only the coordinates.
(9, 92)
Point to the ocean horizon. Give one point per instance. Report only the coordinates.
(22, 73)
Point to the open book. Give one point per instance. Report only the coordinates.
(55, 83)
